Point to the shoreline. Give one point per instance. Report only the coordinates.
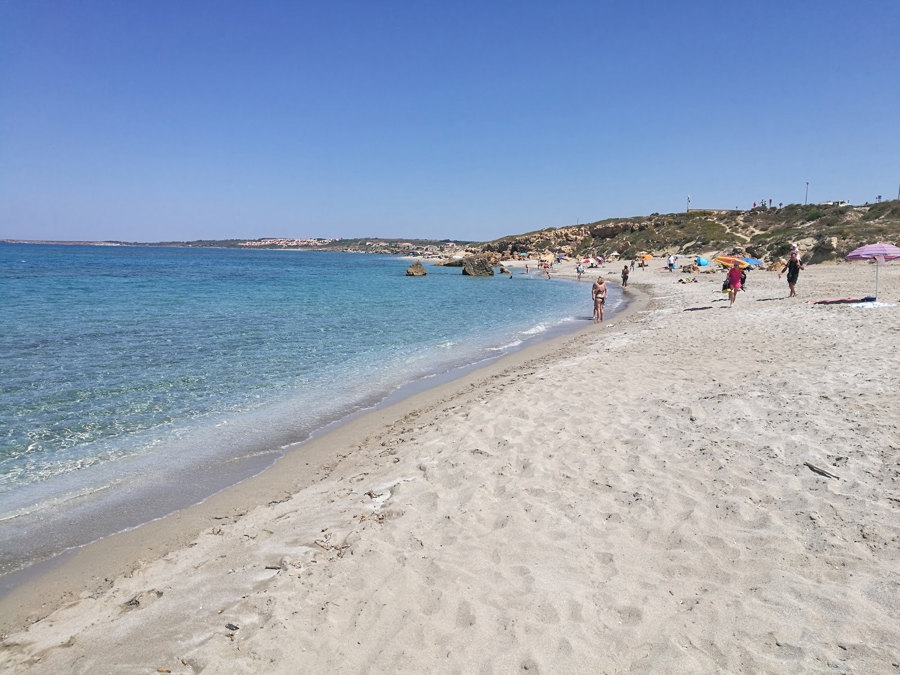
(116, 554)
(638, 493)
(119, 509)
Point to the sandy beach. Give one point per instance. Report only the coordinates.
(684, 488)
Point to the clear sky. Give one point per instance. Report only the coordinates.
(464, 119)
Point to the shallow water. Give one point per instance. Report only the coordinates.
(137, 380)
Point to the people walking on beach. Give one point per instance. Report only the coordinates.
(734, 282)
(793, 268)
(598, 292)
(625, 276)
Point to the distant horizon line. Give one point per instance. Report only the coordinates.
(329, 240)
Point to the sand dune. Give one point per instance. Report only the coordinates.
(637, 497)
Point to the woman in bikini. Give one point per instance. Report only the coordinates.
(598, 292)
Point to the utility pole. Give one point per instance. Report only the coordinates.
(688, 205)
(806, 198)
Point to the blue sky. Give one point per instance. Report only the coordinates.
(156, 121)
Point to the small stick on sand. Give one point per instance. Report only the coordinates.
(823, 472)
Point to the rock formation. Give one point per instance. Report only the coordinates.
(477, 267)
(416, 270)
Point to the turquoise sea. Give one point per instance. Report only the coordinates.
(135, 381)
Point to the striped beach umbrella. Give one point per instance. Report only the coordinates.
(880, 253)
(870, 251)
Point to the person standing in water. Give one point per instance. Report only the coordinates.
(598, 292)
(793, 268)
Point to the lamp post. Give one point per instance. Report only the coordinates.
(806, 198)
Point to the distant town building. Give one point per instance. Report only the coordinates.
(288, 243)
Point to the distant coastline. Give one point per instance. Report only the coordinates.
(408, 247)
(65, 243)
(824, 232)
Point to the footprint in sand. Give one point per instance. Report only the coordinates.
(142, 600)
(464, 615)
(630, 616)
(575, 609)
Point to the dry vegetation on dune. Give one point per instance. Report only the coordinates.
(827, 232)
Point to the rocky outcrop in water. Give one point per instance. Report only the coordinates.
(477, 267)
(416, 270)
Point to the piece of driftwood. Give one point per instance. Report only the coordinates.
(821, 471)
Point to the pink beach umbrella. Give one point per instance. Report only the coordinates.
(880, 253)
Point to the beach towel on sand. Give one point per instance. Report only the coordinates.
(841, 301)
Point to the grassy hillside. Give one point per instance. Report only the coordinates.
(824, 232)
